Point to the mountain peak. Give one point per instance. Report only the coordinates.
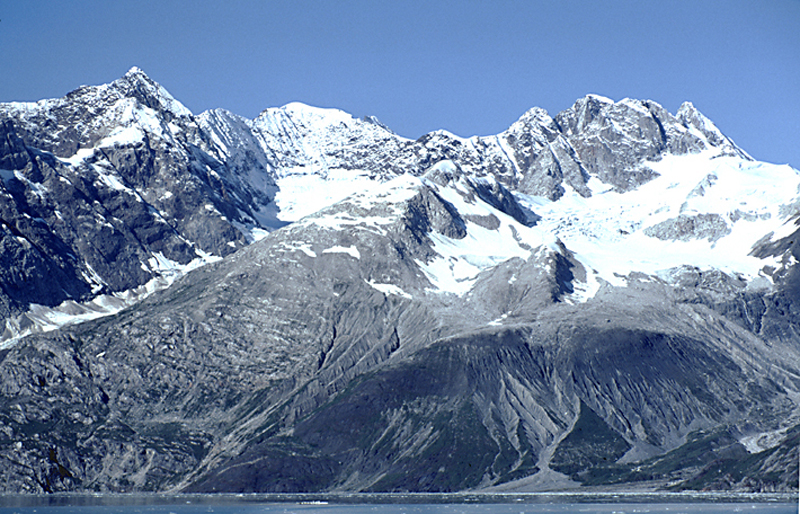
(136, 83)
(536, 114)
(135, 70)
(692, 118)
(592, 97)
(136, 76)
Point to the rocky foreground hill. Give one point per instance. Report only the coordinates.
(309, 302)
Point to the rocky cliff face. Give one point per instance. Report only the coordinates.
(106, 190)
(606, 297)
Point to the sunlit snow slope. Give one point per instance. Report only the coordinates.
(702, 212)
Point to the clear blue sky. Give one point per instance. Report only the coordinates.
(471, 67)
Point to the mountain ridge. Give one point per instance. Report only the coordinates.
(235, 166)
(384, 314)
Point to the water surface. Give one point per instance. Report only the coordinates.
(650, 503)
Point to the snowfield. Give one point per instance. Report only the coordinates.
(608, 232)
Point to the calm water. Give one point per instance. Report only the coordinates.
(426, 509)
(403, 504)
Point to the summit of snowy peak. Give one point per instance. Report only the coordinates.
(594, 110)
(698, 123)
(375, 121)
(305, 115)
(303, 109)
(536, 113)
(302, 119)
(582, 113)
(303, 140)
(615, 140)
(592, 97)
(136, 83)
(442, 134)
(689, 114)
(535, 120)
(122, 110)
(219, 112)
(590, 105)
(644, 107)
(225, 122)
(300, 124)
(134, 71)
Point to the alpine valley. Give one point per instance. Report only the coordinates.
(605, 299)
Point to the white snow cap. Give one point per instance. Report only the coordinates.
(167, 101)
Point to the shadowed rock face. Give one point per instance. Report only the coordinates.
(56, 238)
(419, 335)
(99, 183)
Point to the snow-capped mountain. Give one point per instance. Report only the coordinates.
(606, 296)
(109, 192)
(155, 188)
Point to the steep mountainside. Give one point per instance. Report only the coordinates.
(119, 186)
(105, 190)
(606, 297)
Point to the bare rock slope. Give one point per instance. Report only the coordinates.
(584, 296)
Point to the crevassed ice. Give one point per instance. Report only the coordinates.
(460, 261)
(304, 192)
(372, 194)
(606, 230)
